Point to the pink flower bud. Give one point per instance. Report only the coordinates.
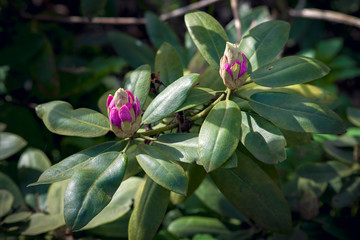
(233, 67)
(124, 112)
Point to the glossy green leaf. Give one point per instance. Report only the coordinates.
(296, 113)
(289, 71)
(168, 64)
(253, 192)
(60, 118)
(138, 82)
(324, 172)
(340, 149)
(197, 96)
(134, 51)
(133, 166)
(159, 32)
(10, 144)
(67, 167)
(353, 114)
(264, 42)
(115, 229)
(149, 211)
(92, 187)
(119, 205)
(162, 169)
(17, 217)
(264, 140)
(211, 79)
(211, 197)
(191, 225)
(208, 35)
(169, 99)
(42, 223)
(55, 197)
(232, 162)
(181, 146)
(219, 135)
(6, 201)
(8, 184)
(30, 166)
(348, 195)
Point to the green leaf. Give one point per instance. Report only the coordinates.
(294, 139)
(340, 149)
(10, 144)
(181, 146)
(296, 113)
(264, 42)
(323, 172)
(328, 49)
(231, 162)
(119, 205)
(161, 168)
(219, 135)
(149, 211)
(91, 188)
(253, 192)
(55, 197)
(208, 35)
(348, 195)
(103, 99)
(197, 96)
(262, 139)
(353, 114)
(159, 32)
(115, 229)
(60, 118)
(192, 225)
(134, 51)
(133, 166)
(6, 201)
(30, 166)
(17, 217)
(67, 167)
(169, 99)
(92, 8)
(289, 71)
(138, 82)
(7, 183)
(168, 63)
(211, 79)
(42, 223)
(211, 197)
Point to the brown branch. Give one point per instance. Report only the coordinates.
(326, 15)
(118, 20)
(235, 11)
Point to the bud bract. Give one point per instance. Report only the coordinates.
(124, 112)
(233, 67)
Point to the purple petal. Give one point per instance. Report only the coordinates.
(114, 117)
(243, 69)
(131, 96)
(227, 68)
(244, 58)
(129, 105)
(137, 107)
(236, 61)
(124, 114)
(109, 100)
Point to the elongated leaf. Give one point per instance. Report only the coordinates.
(169, 99)
(323, 172)
(91, 188)
(262, 139)
(60, 118)
(134, 51)
(353, 115)
(192, 225)
(340, 149)
(328, 49)
(119, 205)
(159, 32)
(264, 42)
(289, 71)
(10, 144)
(149, 211)
(208, 35)
(67, 167)
(211, 79)
(181, 146)
(115, 229)
(138, 82)
(219, 135)
(8, 184)
(196, 97)
(160, 167)
(168, 63)
(6, 201)
(42, 223)
(254, 193)
(17, 217)
(55, 197)
(296, 113)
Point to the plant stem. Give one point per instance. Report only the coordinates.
(127, 146)
(159, 130)
(228, 92)
(148, 138)
(207, 110)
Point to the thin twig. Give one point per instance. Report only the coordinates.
(235, 11)
(326, 15)
(118, 20)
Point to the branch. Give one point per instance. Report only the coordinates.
(235, 11)
(118, 20)
(326, 15)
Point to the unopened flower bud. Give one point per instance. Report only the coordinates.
(124, 112)
(233, 67)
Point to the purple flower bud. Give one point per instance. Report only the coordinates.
(233, 67)
(124, 112)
